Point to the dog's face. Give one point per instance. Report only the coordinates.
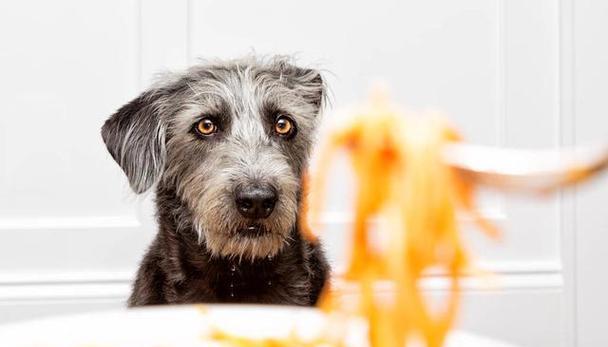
(232, 140)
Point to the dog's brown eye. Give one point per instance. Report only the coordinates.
(283, 126)
(206, 127)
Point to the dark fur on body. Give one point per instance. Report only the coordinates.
(200, 253)
(177, 269)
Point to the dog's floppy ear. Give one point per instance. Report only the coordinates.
(135, 137)
(313, 86)
(308, 82)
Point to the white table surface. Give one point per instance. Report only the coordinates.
(185, 326)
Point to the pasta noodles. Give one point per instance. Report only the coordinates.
(401, 176)
(293, 340)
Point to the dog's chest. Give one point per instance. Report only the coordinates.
(240, 284)
(246, 283)
(260, 284)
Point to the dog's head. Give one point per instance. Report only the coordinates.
(232, 139)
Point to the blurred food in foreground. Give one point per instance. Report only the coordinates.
(402, 177)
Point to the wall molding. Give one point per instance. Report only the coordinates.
(68, 223)
(65, 286)
(120, 290)
(116, 285)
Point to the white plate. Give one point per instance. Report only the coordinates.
(186, 326)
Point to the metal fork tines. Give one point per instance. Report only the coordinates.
(526, 170)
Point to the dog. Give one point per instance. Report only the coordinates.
(225, 144)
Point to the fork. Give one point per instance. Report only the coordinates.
(526, 170)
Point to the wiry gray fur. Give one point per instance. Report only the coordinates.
(152, 139)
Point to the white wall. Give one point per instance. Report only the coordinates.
(511, 73)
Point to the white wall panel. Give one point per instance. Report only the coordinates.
(52, 160)
(590, 62)
(64, 205)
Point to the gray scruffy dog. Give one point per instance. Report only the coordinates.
(226, 144)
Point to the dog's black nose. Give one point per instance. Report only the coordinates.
(255, 202)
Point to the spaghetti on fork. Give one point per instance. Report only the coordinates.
(400, 175)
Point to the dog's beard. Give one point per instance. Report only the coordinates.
(226, 234)
(245, 241)
(238, 245)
